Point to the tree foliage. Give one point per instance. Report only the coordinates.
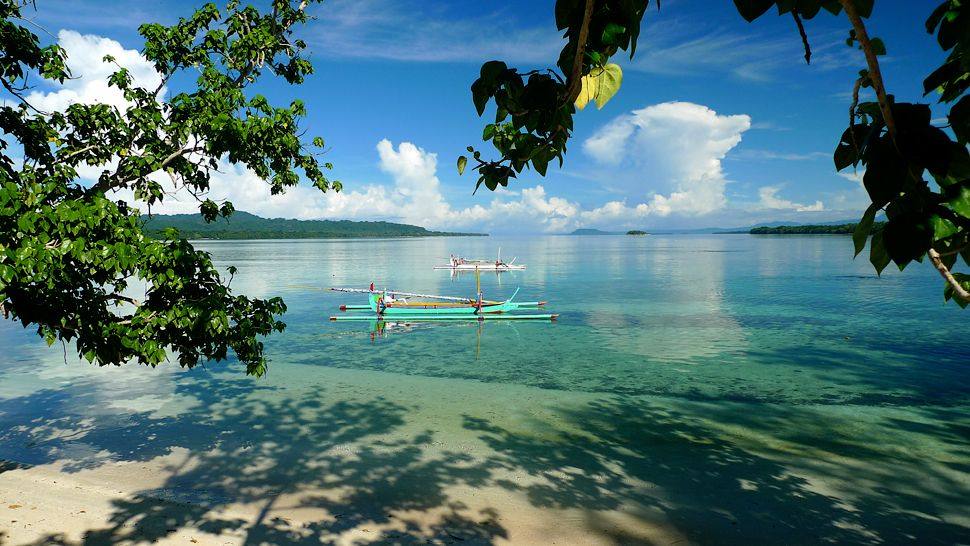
(900, 148)
(74, 261)
(534, 110)
(810, 229)
(895, 142)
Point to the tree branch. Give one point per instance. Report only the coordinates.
(119, 297)
(874, 74)
(76, 153)
(801, 32)
(21, 98)
(575, 77)
(958, 289)
(171, 157)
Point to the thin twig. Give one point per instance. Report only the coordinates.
(76, 153)
(958, 289)
(801, 32)
(20, 97)
(852, 115)
(874, 74)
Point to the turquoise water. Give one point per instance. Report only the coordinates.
(714, 389)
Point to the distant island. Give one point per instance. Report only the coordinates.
(591, 231)
(243, 225)
(636, 232)
(839, 229)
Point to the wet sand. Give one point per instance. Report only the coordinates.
(320, 455)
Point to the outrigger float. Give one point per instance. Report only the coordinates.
(408, 306)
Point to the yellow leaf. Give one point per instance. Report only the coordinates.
(608, 83)
(588, 90)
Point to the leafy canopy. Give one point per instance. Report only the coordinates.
(894, 141)
(74, 261)
(534, 110)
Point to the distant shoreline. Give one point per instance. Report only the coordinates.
(840, 229)
(242, 225)
(300, 237)
(333, 237)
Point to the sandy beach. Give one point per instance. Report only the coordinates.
(389, 470)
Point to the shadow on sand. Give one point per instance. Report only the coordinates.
(352, 466)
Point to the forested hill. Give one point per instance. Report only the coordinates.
(243, 225)
(840, 229)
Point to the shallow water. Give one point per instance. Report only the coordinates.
(715, 389)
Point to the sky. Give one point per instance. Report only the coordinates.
(719, 122)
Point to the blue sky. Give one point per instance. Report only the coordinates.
(718, 123)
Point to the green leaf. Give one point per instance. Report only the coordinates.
(752, 9)
(612, 34)
(886, 172)
(961, 203)
(491, 71)
(939, 78)
(863, 7)
(942, 228)
(864, 228)
(564, 12)
(878, 47)
(878, 256)
(934, 19)
(907, 238)
(959, 119)
(462, 162)
(480, 95)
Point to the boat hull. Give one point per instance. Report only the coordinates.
(431, 308)
(481, 267)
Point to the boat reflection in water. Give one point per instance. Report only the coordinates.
(381, 329)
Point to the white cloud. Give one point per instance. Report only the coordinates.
(679, 146)
(769, 199)
(89, 83)
(414, 197)
(673, 150)
(854, 175)
(855, 199)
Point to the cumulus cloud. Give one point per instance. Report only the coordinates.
(414, 197)
(662, 160)
(675, 151)
(769, 199)
(89, 83)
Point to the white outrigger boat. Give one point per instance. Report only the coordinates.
(457, 263)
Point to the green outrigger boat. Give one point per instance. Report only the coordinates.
(382, 305)
(409, 306)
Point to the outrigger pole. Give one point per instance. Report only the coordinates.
(439, 318)
(406, 294)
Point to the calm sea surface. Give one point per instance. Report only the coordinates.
(728, 388)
